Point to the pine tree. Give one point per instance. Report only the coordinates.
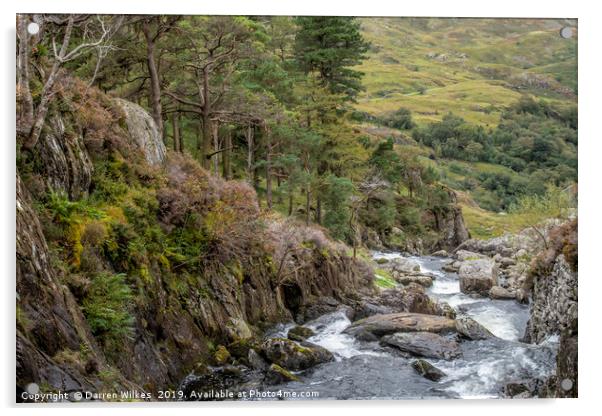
(330, 46)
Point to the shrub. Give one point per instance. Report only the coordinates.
(400, 119)
(106, 308)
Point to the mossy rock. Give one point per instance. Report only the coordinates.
(240, 349)
(294, 356)
(277, 375)
(300, 333)
(382, 261)
(222, 355)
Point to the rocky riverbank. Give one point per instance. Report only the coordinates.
(445, 327)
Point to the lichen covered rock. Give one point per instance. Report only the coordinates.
(143, 131)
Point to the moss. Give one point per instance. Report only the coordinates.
(284, 374)
(222, 355)
(23, 320)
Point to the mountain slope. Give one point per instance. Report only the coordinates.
(471, 67)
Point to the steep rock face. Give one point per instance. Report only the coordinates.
(553, 285)
(554, 307)
(144, 131)
(173, 329)
(62, 159)
(48, 318)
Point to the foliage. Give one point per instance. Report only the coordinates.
(336, 194)
(331, 46)
(106, 307)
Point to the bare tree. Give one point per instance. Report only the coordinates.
(95, 34)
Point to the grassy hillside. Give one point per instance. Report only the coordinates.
(475, 69)
(471, 67)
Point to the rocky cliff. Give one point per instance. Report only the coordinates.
(553, 284)
(103, 211)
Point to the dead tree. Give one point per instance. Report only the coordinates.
(95, 33)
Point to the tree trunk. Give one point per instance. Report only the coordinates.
(268, 167)
(155, 84)
(318, 209)
(250, 154)
(176, 132)
(307, 205)
(226, 166)
(290, 202)
(42, 109)
(215, 157)
(199, 136)
(206, 147)
(24, 98)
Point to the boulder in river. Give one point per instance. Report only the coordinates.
(278, 375)
(427, 370)
(300, 333)
(451, 267)
(421, 279)
(403, 265)
(498, 292)
(471, 329)
(440, 253)
(424, 344)
(478, 276)
(293, 356)
(379, 325)
(255, 360)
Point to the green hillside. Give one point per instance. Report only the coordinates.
(471, 67)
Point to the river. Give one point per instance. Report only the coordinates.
(365, 370)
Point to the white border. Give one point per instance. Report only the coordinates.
(590, 152)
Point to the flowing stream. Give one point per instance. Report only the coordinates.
(365, 370)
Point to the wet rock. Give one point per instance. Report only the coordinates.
(238, 329)
(424, 344)
(404, 265)
(300, 333)
(422, 280)
(498, 292)
(411, 298)
(321, 306)
(382, 261)
(368, 308)
(471, 329)
(293, 356)
(446, 310)
(278, 375)
(427, 370)
(380, 325)
(440, 253)
(522, 296)
(144, 132)
(256, 361)
(478, 276)
(451, 267)
(521, 389)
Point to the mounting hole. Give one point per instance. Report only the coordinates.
(33, 28)
(566, 32)
(566, 384)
